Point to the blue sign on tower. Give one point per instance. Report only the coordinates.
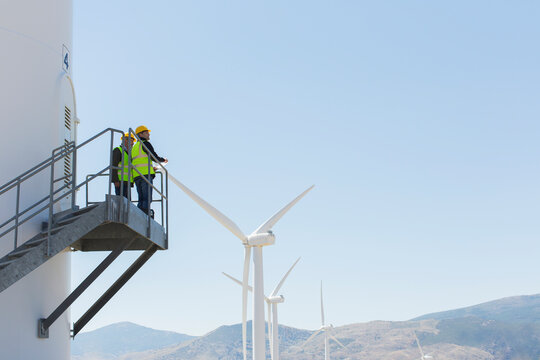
(65, 59)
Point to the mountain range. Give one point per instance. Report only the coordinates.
(505, 329)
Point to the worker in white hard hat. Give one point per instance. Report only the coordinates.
(120, 171)
(144, 174)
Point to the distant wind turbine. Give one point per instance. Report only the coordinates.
(271, 302)
(424, 357)
(262, 236)
(328, 330)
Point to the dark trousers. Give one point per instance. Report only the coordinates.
(125, 191)
(145, 192)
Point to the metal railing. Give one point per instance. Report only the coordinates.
(70, 186)
(161, 200)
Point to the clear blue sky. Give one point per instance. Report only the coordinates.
(417, 121)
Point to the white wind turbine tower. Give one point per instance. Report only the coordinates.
(271, 302)
(327, 329)
(424, 357)
(262, 236)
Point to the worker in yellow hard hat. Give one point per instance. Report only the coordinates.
(144, 173)
(121, 176)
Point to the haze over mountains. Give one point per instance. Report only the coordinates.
(504, 329)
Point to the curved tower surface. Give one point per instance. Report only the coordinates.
(37, 111)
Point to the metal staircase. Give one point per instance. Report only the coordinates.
(114, 225)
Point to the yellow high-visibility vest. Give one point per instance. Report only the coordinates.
(125, 159)
(139, 160)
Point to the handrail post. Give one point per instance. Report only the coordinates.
(17, 214)
(130, 172)
(110, 175)
(50, 208)
(122, 172)
(86, 186)
(162, 205)
(167, 210)
(74, 176)
(149, 184)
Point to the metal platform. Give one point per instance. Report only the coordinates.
(100, 227)
(114, 225)
(118, 220)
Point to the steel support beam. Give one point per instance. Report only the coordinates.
(45, 324)
(122, 280)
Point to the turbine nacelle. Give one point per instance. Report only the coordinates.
(264, 239)
(275, 299)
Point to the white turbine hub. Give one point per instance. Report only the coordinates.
(264, 239)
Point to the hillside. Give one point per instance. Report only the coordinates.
(505, 329)
(503, 340)
(516, 309)
(118, 339)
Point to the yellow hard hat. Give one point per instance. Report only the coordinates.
(128, 134)
(141, 128)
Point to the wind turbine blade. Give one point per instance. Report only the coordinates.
(419, 347)
(237, 281)
(274, 293)
(245, 281)
(311, 337)
(270, 333)
(322, 308)
(336, 340)
(274, 219)
(250, 288)
(215, 213)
